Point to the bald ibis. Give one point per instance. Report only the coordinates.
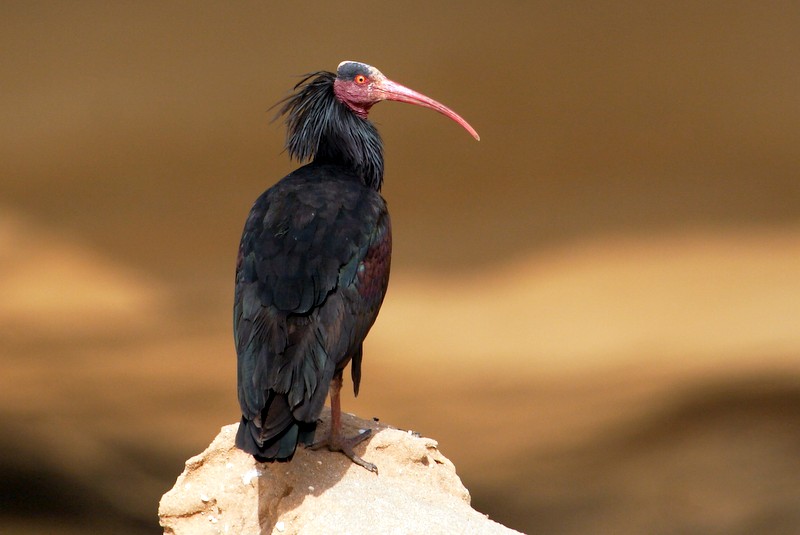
(313, 264)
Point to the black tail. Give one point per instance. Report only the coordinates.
(277, 447)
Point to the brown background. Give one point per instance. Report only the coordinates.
(594, 309)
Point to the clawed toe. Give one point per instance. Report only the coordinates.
(345, 446)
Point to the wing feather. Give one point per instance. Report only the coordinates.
(301, 306)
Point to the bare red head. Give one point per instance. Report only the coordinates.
(360, 86)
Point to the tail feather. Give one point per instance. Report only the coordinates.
(279, 446)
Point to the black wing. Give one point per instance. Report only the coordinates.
(311, 275)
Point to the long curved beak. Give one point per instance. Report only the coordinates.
(394, 91)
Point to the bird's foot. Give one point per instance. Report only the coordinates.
(345, 446)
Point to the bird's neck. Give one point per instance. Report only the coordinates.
(321, 128)
(354, 142)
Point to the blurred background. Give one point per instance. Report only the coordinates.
(594, 309)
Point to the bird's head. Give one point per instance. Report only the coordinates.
(359, 86)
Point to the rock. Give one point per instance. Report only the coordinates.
(224, 490)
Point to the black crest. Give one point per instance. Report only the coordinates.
(321, 128)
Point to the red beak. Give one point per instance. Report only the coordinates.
(394, 91)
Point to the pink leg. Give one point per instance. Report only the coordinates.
(335, 441)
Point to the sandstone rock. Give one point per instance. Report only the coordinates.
(224, 490)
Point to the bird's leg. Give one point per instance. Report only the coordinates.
(335, 441)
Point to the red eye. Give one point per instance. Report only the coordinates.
(360, 79)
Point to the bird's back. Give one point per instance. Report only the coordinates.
(311, 274)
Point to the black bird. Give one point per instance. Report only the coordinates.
(313, 264)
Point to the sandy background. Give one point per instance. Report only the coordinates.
(595, 309)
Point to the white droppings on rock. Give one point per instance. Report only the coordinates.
(229, 466)
(250, 475)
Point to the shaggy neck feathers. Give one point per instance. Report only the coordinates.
(323, 129)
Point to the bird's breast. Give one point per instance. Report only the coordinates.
(373, 271)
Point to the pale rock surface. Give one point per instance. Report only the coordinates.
(224, 490)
